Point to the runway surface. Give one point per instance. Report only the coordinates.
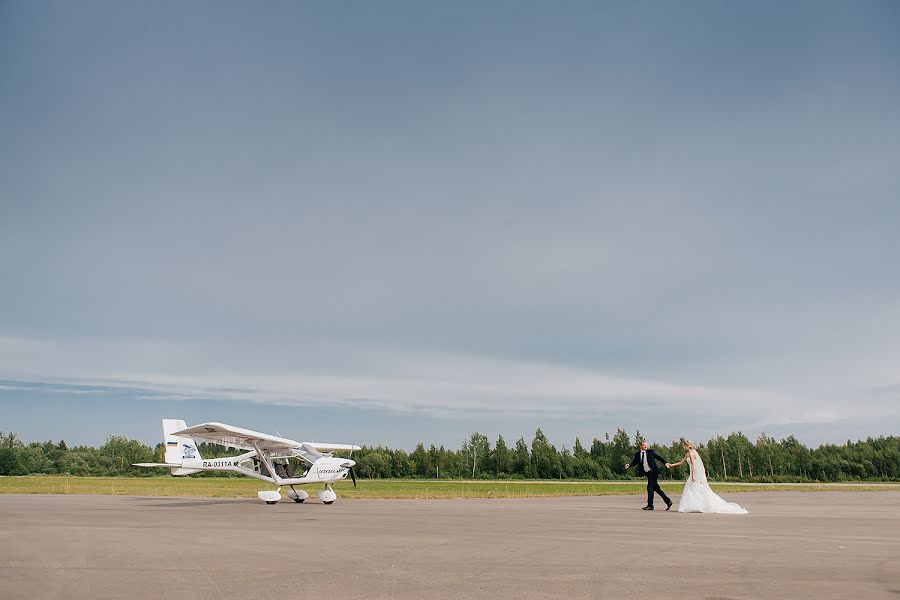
(791, 545)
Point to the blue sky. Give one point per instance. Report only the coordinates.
(405, 221)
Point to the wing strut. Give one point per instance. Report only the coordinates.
(265, 460)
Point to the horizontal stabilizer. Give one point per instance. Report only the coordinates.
(167, 465)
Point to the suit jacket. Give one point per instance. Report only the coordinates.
(652, 458)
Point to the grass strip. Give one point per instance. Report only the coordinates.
(381, 488)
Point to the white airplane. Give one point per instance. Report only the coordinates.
(266, 459)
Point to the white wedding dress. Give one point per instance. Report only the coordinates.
(699, 497)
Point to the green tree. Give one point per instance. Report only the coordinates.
(620, 451)
(477, 450)
(123, 453)
(545, 460)
(521, 462)
(501, 458)
(600, 456)
(418, 462)
(10, 448)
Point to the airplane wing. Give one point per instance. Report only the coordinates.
(237, 437)
(321, 447)
(312, 451)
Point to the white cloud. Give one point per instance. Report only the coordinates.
(443, 385)
(16, 388)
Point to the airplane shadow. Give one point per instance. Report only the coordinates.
(179, 502)
(184, 502)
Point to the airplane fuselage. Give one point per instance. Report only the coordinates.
(324, 470)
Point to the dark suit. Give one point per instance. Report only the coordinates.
(652, 475)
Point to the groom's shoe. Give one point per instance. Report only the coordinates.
(648, 507)
(668, 505)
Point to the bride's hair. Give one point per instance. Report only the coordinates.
(691, 445)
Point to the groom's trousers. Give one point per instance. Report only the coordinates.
(653, 486)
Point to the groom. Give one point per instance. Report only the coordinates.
(645, 460)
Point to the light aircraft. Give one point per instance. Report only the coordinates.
(266, 459)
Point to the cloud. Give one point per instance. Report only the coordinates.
(16, 388)
(43, 387)
(437, 385)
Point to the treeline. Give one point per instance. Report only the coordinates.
(732, 458)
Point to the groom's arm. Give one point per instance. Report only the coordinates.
(659, 458)
(634, 462)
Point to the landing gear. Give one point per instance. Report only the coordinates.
(327, 496)
(297, 496)
(270, 496)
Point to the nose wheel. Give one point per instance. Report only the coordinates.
(327, 496)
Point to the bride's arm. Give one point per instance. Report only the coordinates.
(691, 458)
(678, 464)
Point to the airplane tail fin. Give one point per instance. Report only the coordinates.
(179, 449)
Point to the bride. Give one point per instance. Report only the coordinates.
(697, 495)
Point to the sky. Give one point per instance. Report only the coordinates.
(395, 222)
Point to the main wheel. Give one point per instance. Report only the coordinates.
(332, 502)
(267, 502)
(299, 500)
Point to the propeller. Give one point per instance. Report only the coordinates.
(349, 466)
